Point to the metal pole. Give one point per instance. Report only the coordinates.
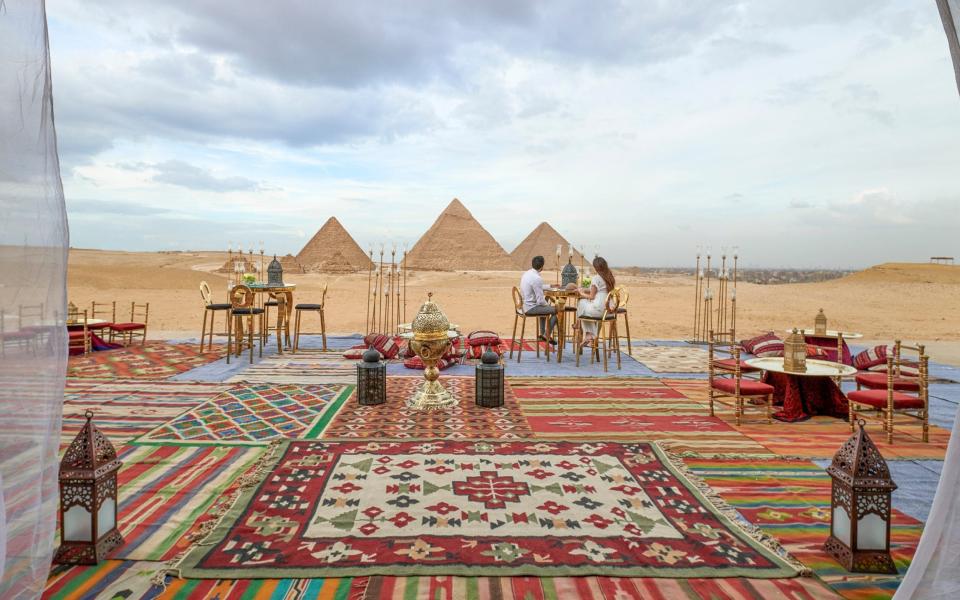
(366, 325)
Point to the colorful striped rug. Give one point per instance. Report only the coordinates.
(625, 409)
(306, 366)
(820, 436)
(671, 359)
(155, 360)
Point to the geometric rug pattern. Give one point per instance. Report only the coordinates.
(464, 420)
(672, 359)
(306, 366)
(254, 414)
(626, 409)
(155, 360)
(449, 507)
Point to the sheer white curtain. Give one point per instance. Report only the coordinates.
(33, 347)
(935, 571)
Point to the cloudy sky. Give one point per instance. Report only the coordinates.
(815, 133)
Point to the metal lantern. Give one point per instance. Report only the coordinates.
(489, 380)
(275, 272)
(860, 507)
(820, 324)
(569, 274)
(795, 353)
(371, 379)
(88, 498)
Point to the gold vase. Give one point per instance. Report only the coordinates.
(430, 341)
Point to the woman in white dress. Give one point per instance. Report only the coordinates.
(592, 298)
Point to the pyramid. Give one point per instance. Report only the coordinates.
(338, 263)
(228, 266)
(456, 241)
(290, 264)
(543, 241)
(332, 239)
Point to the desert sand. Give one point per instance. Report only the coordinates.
(915, 302)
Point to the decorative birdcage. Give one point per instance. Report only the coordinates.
(795, 353)
(820, 323)
(860, 507)
(275, 272)
(489, 380)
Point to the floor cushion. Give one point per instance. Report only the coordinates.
(764, 346)
(872, 357)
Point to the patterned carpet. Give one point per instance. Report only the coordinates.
(255, 414)
(306, 366)
(331, 509)
(155, 360)
(394, 420)
(672, 359)
(628, 409)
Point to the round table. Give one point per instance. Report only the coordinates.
(79, 322)
(808, 393)
(830, 333)
(283, 317)
(560, 297)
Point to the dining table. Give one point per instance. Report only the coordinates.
(803, 394)
(560, 297)
(283, 294)
(828, 341)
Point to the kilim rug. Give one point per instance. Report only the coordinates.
(254, 414)
(671, 359)
(155, 360)
(790, 500)
(130, 580)
(627, 409)
(465, 420)
(330, 509)
(126, 408)
(306, 366)
(822, 436)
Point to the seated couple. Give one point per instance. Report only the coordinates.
(590, 303)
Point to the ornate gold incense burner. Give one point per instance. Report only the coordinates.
(430, 338)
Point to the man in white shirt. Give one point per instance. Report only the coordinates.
(534, 304)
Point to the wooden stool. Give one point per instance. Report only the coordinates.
(300, 308)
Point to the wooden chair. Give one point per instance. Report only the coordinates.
(210, 308)
(726, 377)
(19, 337)
(518, 315)
(242, 307)
(886, 402)
(102, 310)
(79, 338)
(607, 334)
(300, 308)
(136, 327)
(622, 311)
(902, 382)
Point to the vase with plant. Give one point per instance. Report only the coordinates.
(249, 279)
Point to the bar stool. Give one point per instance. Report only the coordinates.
(209, 307)
(606, 330)
(300, 308)
(520, 314)
(622, 310)
(242, 306)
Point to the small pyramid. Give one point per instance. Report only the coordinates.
(330, 240)
(543, 241)
(290, 265)
(457, 241)
(228, 266)
(338, 263)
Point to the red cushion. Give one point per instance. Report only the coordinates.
(748, 387)
(907, 369)
(354, 353)
(878, 381)
(127, 326)
(99, 325)
(77, 335)
(878, 399)
(873, 357)
(416, 363)
(727, 364)
(764, 345)
(819, 353)
(482, 338)
(386, 345)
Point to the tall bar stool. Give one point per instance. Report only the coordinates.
(300, 308)
(520, 314)
(242, 308)
(606, 331)
(210, 308)
(622, 311)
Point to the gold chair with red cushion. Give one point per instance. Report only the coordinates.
(727, 382)
(79, 336)
(102, 310)
(905, 378)
(133, 328)
(889, 401)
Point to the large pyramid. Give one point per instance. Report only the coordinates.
(332, 245)
(456, 241)
(543, 241)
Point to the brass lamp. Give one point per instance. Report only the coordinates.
(371, 379)
(820, 324)
(795, 353)
(860, 507)
(88, 498)
(489, 381)
(431, 339)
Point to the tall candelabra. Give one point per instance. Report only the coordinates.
(386, 292)
(708, 315)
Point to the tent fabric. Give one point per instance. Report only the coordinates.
(934, 573)
(33, 339)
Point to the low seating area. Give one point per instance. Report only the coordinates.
(103, 326)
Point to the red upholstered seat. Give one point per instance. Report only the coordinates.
(878, 381)
(98, 326)
(878, 399)
(748, 387)
(727, 364)
(77, 335)
(127, 326)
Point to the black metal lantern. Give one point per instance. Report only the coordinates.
(274, 272)
(489, 380)
(371, 379)
(569, 274)
(88, 498)
(860, 507)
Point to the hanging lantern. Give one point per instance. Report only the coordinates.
(275, 272)
(820, 324)
(795, 353)
(371, 379)
(860, 507)
(88, 498)
(489, 380)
